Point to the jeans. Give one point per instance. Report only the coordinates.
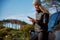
(43, 35)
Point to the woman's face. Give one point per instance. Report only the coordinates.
(36, 6)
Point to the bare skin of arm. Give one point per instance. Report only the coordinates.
(32, 19)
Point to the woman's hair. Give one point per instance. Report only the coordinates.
(36, 2)
(38, 11)
(43, 9)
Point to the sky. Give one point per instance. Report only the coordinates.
(18, 9)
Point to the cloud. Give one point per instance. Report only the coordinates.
(11, 17)
(25, 19)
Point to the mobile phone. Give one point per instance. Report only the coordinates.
(29, 17)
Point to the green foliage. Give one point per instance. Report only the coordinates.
(5, 32)
(25, 29)
(1, 26)
(7, 37)
(23, 33)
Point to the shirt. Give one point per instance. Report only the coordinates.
(38, 17)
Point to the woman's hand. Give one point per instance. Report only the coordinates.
(32, 19)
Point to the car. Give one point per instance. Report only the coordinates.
(53, 21)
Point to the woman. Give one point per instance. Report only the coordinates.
(41, 21)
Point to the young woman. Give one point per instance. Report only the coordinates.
(41, 21)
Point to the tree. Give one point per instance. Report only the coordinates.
(26, 28)
(7, 37)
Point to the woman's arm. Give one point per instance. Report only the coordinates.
(32, 20)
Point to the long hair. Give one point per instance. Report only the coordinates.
(43, 9)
